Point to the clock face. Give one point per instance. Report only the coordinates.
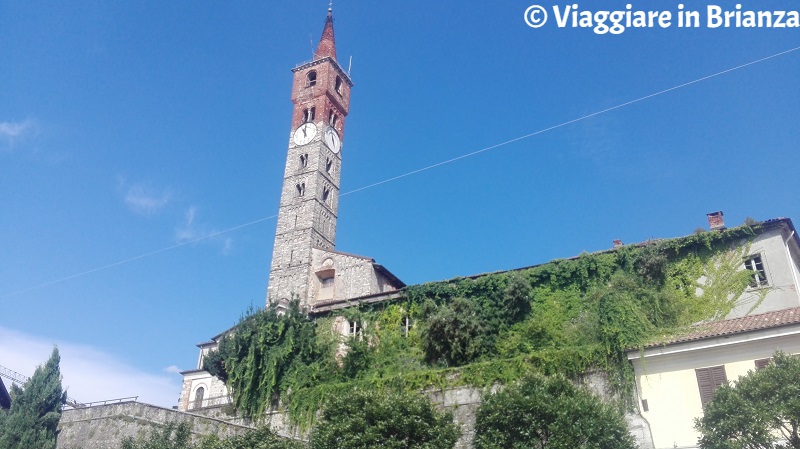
(332, 139)
(305, 133)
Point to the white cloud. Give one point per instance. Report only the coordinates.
(192, 232)
(10, 130)
(187, 231)
(227, 247)
(13, 132)
(172, 369)
(145, 200)
(89, 374)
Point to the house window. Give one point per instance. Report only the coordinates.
(326, 191)
(759, 275)
(338, 85)
(762, 363)
(327, 282)
(355, 329)
(303, 160)
(328, 165)
(332, 118)
(198, 397)
(311, 78)
(405, 325)
(709, 379)
(301, 189)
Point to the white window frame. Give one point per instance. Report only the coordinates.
(758, 276)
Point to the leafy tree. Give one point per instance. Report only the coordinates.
(358, 358)
(32, 420)
(650, 264)
(453, 334)
(549, 413)
(516, 297)
(762, 410)
(362, 419)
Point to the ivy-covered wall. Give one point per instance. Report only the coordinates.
(567, 316)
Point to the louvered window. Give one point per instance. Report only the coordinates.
(709, 379)
(762, 363)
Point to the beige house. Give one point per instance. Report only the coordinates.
(674, 379)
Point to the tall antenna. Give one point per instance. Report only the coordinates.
(350, 66)
(311, 43)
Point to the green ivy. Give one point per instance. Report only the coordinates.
(563, 317)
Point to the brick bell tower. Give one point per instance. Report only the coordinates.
(310, 194)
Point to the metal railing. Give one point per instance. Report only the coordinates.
(21, 379)
(215, 401)
(106, 402)
(13, 375)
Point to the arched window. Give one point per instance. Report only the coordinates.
(198, 397)
(312, 78)
(338, 85)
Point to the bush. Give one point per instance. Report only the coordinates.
(262, 438)
(171, 436)
(452, 335)
(549, 413)
(362, 419)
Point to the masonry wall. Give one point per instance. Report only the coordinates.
(105, 426)
(463, 402)
(355, 276)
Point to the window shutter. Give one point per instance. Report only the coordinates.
(762, 363)
(708, 380)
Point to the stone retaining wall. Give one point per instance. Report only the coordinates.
(105, 426)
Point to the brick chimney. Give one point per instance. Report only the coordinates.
(618, 244)
(715, 221)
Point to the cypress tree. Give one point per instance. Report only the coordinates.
(32, 420)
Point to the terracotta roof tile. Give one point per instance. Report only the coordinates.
(735, 326)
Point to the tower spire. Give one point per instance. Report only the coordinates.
(327, 43)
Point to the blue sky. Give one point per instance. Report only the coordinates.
(127, 128)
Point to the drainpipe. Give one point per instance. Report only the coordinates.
(792, 267)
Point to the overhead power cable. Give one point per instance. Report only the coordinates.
(413, 172)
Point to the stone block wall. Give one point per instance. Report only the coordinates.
(105, 426)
